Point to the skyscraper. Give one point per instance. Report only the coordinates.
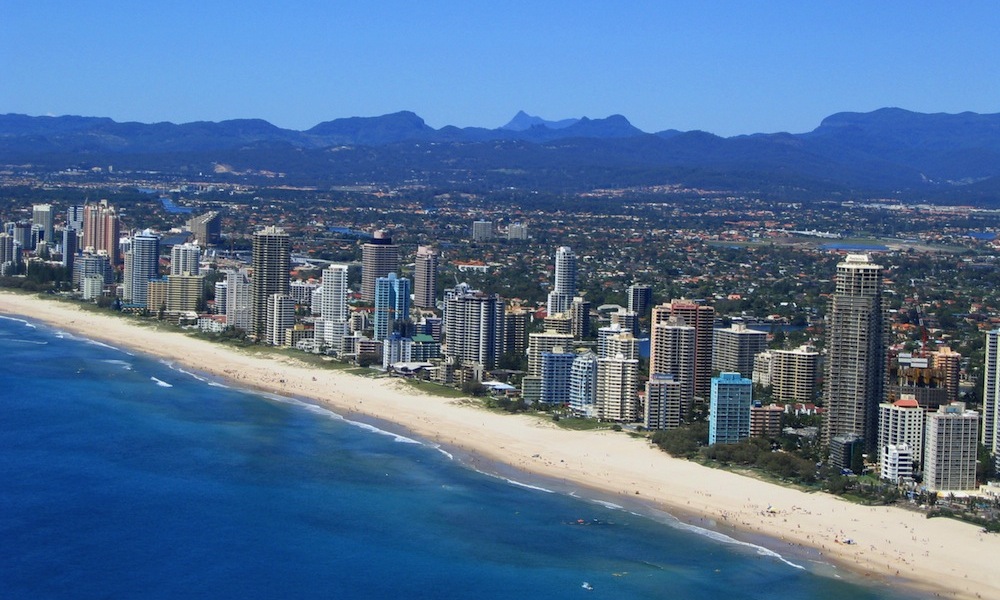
(640, 299)
(991, 392)
(702, 318)
(735, 347)
(793, 374)
(564, 287)
(901, 422)
(729, 411)
(672, 352)
(184, 259)
(951, 437)
(379, 257)
(617, 383)
(856, 342)
(280, 317)
(142, 263)
(239, 301)
(207, 228)
(271, 263)
(665, 403)
(392, 305)
(425, 278)
(101, 230)
(43, 217)
(583, 384)
(474, 327)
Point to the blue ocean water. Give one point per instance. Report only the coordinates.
(122, 477)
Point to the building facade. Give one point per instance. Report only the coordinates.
(271, 264)
(729, 411)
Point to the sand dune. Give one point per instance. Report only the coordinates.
(948, 558)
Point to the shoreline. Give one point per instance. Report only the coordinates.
(893, 547)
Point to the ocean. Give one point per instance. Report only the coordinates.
(122, 476)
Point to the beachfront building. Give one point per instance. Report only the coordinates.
(142, 263)
(516, 330)
(729, 411)
(392, 305)
(280, 317)
(425, 278)
(396, 349)
(474, 328)
(617, 381)
(672, 352)
(664, 407)
(239, 302)
(896, 463)
(735, 347)
(902, 422)
(583, 384)
(765, 420)
(70, 247)
(991, 393)
(557, 369)
(332, 325)
(856, 345)
(379, 257)
(92, 265)
(702, 319)
(271, 264)
(564, 287)
(952, 437)
(185, 293)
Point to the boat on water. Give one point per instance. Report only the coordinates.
(587, 586)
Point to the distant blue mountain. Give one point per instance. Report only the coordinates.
(523, 121)
(889, 150)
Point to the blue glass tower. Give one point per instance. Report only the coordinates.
(729, 411)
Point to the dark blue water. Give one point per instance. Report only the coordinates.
(121, 477)
(173, 208)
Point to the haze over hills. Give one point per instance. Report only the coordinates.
(950, 157)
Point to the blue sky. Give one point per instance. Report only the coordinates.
(724, 67)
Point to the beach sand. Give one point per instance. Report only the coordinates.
(894, 546)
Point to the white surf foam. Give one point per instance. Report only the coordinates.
(161, 383)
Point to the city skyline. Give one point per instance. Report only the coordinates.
(728, 70)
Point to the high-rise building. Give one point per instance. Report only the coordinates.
(557, 369)
(580, 311)
(664, 408)
(206, 229)
(43, 217)
(517, 231)
(896, 463)
(952, 441)
(221, 295)
(302, 292)
(901, 422)
(142, 263)
(949, 363)
(379, 257)
(729, 411)
(8, 252)
(271, 264)
(545, 341)
(425, 278)
(74, 217)
(735, 347)
(474, 328)
(991, 393)
(101, 230)
(702, 318)
(765, 420)
(564, 287)
(517, 331)
(583, 384)
(915, 375)
(482, 231)
(89, 265)
(280, 317)
(792, 374)
(185, 259)
(70, 247)
(392, 305)
(856, 344)
(672, 352)
(239, 301)
(640, 299)
(627, 319)
(617, 382)
(334, 304)
(185, 293)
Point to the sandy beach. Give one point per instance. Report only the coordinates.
(892, 545)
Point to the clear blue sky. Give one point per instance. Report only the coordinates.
(725, 67)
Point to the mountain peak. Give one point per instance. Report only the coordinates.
(522, 121)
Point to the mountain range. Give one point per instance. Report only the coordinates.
(951, 157)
